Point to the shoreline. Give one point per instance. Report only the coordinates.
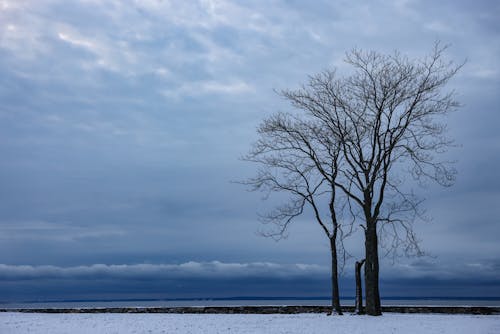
(477, 310)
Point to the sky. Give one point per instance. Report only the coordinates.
(122, 125)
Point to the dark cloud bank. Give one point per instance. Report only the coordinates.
(226, 280)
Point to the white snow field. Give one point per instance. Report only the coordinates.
(13, 323)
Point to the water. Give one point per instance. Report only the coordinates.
(252, 302)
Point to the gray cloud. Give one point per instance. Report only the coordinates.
(481, 270)
(191, 270)
(420, 269)
(222, 280)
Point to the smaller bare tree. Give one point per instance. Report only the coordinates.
(301, 158)
(358, 306)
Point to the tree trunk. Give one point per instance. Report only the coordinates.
(335, 279)
(359, 289)
(371, 270)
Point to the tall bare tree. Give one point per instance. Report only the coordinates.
(300, 158)
(387, 120)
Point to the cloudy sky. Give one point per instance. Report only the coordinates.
(122, 124)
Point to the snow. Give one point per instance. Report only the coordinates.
(13, 323)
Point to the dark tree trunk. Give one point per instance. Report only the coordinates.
(335, 279)
(359, 289)
(371, 270)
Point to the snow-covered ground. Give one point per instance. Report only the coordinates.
(13, 323)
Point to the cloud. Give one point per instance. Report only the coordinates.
(420, 269)
(77, 41)
(225, 279)
(191, 270)
(209, 87)
(480, 270)
(109, 54)
(438, 27)
(55, 232)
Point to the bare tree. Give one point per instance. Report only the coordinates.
(386, 118)
(358, 305)
(300, 158)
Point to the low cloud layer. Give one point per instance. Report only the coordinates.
(191, 270)
(421, 269)
(221, 280)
